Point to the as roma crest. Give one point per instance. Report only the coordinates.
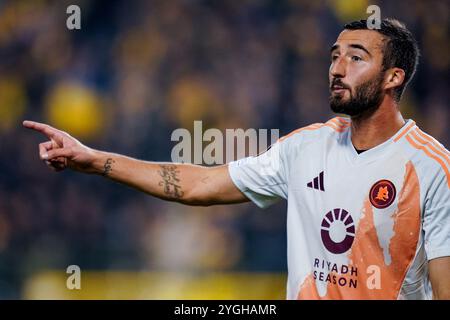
(382, 194)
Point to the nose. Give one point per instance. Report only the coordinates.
(337, 68)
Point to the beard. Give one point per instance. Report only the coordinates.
(367, 99)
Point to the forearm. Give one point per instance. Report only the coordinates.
(439, 274)
(168, 181)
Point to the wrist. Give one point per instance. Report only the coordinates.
(101, 162)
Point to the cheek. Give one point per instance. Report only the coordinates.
(358, 77)
(361, 72)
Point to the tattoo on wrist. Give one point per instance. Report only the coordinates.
(170, 181)
(107, 167)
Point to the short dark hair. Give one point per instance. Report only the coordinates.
(400, 50)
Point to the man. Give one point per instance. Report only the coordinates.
(368, 196)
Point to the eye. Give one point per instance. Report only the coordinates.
(334, 57)
(356, 58)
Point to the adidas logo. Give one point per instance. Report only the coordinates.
(317, 183)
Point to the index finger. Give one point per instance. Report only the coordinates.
(49, 131)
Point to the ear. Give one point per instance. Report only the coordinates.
(394, 78)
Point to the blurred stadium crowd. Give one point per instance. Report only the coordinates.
(136, 71)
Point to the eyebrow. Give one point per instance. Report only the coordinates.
(358, 46)
(353, 45)
(334, 47)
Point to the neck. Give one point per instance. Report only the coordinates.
(369, 131)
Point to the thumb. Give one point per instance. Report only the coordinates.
(60, 152)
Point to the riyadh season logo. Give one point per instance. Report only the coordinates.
(337, 231)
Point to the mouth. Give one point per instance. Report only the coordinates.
(338, 89)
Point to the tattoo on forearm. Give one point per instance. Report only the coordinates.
(108, 166)
(205, 180)
(170, 181)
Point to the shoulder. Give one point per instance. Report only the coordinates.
(333, 128)
(428, 155)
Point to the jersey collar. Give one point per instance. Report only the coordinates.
(379, 151)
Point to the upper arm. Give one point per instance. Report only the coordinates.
(215, 186)
(436, 227)
(261, 179)
(439, 273)
(436, 219)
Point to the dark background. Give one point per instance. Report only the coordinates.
(136, 71)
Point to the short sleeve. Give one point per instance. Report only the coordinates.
(261, 178)
(436, 221)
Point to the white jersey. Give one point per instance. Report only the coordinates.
(360, 226)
